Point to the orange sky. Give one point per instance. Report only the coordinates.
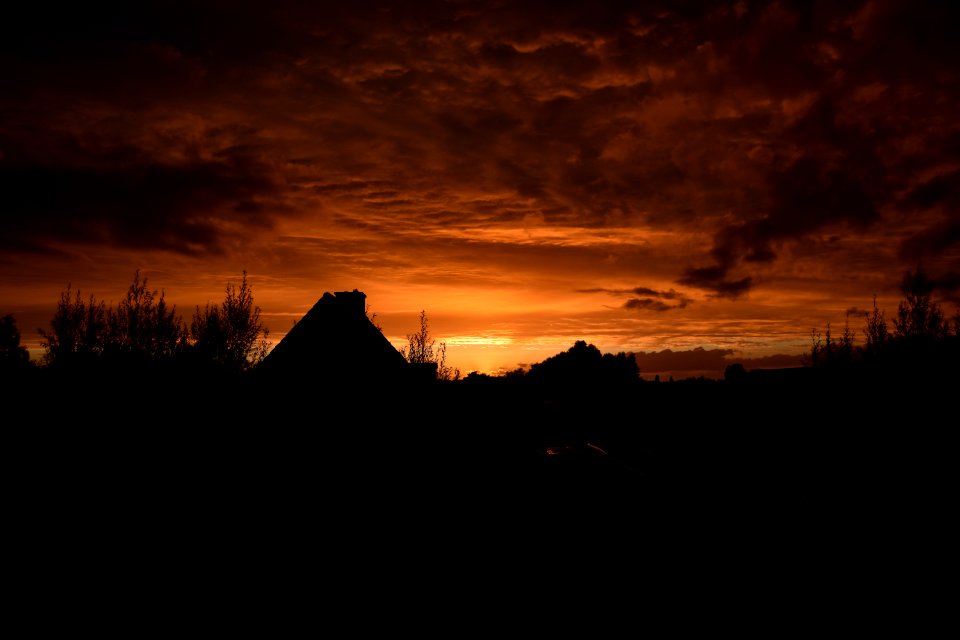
(726, 176)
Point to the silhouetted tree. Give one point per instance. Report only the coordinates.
(921, 342)
(620, 367)
(735, 372)
(231, 335)
(143, 326)
(445, 372)
(876, 332)
(918, 316)
(584, 366)
(77, 331)
(827, 351)
(420, 350)
(13, 356)
(821, 348)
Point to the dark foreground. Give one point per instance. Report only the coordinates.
(479, 456)
(250, 491)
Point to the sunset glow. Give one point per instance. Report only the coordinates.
(530, 174)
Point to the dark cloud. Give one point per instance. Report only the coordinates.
(838, 182)
(193, 207)
(715, 279)
(891, 39)
(649, 304)
(933, 241)
(946, 283)
(941, 189)
(840, 162)
(698, 359)
(944, 287)
(669, 294)
(950, 293)
(653, 300)
(940, 193)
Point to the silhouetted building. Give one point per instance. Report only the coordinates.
(336, 343)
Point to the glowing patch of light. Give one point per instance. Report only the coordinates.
(562, 235)
(478, 341)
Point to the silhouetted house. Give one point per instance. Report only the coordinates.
(336, 343)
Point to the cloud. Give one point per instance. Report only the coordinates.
(189, 208)
(651, 304)
(669, 294)
(698, 359)
(711, 362)
(715, 280)
(653, 299)
(948, 286)
(947, 282)
(941, 194)
(833, 184)
(732, 149)
(942, 189)
(932, 241)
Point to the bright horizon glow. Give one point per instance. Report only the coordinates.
(520, 337)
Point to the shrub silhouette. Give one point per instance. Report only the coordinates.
(231, 335)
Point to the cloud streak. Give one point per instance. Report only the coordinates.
(652, 300)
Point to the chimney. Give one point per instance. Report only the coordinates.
(352, 303)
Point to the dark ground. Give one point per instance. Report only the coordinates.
(245, 488)
(807, 453)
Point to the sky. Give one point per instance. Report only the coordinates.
(710, 178)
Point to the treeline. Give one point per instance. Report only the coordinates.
(919, 339)
(581, 367)
(142, 332)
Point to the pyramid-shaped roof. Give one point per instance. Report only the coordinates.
(335, 341)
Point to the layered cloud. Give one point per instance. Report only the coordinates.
(718, 152)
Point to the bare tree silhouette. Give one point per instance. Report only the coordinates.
(420, 350)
